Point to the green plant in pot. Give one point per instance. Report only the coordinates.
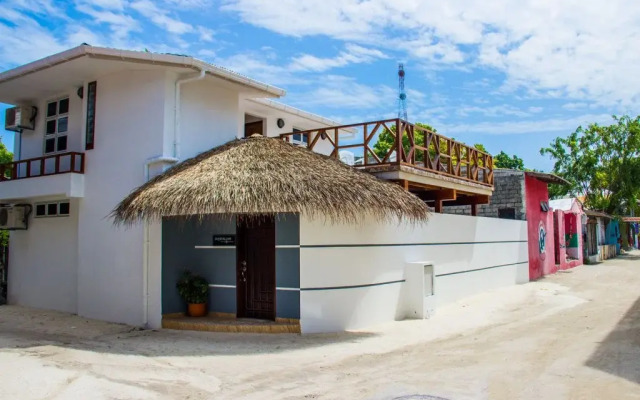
(194, 289)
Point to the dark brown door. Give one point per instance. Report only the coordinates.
(253, 127)
(256, 268)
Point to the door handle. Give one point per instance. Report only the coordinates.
(243, 271)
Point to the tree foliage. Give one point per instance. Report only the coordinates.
(5, 157)
(386, 139)
(503, 160)
(602, 163)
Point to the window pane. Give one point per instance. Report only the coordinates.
(62, 143)
(52, 109)
(64, 106)
(305, 138)
(52, 209)
(51, 127)
(296, 137)
(62, 124)
(49, 145)
(40, 210)
(64, 209)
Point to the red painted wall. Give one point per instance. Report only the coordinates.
(540, 262)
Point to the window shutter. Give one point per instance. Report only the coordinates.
(91, 115)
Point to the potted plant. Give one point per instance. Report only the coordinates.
(194, 290)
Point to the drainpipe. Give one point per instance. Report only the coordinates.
(145, 252)
(177, 109)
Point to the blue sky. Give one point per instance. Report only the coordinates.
(512, 75)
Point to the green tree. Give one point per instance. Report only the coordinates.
(602, 163)
(503, 160)
(386, 139)
(5, 157)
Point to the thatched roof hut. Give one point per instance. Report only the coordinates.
(261, 175)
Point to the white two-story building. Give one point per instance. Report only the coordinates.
(102, 122)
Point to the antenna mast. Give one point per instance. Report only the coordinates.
(402, 96)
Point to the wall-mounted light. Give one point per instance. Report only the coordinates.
(80, 92)
(280, 123)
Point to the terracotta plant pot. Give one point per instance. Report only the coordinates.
(197, 310)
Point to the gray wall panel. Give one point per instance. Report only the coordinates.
(288, 304)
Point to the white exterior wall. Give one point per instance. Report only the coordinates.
(469, 255)
(43, 271)
(129, 130)
(209, 117)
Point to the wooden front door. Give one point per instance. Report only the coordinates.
(256, 268)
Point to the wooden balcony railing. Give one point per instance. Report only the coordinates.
(414, 146)
(63, 163)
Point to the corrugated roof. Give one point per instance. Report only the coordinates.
(548, 178)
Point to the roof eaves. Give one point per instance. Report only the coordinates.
(138, 56)
(296, 111)
(548, 178)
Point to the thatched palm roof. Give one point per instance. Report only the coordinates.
(261, 175)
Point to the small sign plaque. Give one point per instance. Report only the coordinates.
(224, 240)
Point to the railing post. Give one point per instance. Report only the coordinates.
(73, 162)
(82, 163)
(28, 169)
(398, 142)
(365, 145)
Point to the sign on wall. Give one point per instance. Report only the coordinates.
(224, 240)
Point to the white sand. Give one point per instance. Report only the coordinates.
(548, 339)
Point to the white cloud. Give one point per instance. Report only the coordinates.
(257, 66)
(340, 92)
(120, 24)
(353, 54)
(568, 48)
(517, 127)
(161, 17)
(206, 35)
(492, 111)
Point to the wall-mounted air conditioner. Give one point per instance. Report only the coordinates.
(14, 217)
(20, 118)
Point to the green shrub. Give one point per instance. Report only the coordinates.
(192, 288)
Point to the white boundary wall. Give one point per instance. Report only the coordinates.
(352, 276)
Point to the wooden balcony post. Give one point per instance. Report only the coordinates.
(398, 141)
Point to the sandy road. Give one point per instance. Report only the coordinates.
(574, 335)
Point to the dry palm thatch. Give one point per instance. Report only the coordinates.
(259, 175)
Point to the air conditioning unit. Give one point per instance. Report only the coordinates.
(20, 118)
(14, 217)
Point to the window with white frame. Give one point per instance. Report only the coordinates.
(301, 139)
(53, 209)
(57, 125)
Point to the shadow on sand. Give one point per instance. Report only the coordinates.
(123, 339)
(619, 353)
